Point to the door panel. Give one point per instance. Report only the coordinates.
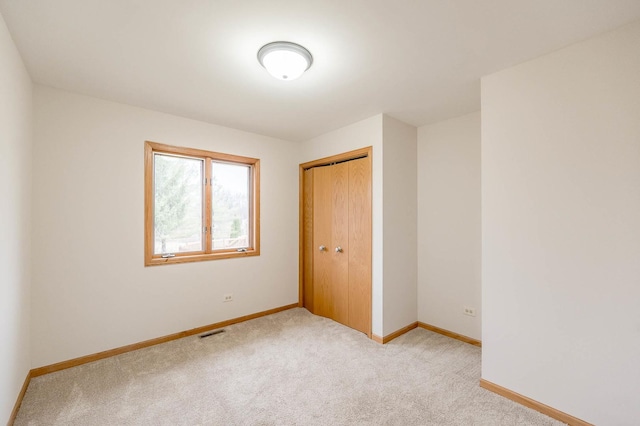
(322, 222)
(340, 241)
(360, 245)
(307, 239)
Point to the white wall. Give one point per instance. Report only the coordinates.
(394, 260)
(15, 211)
(400, 224)
(362, 134)
(449, 237)
(561, 228)
(91, 291)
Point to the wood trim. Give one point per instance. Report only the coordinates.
(150, 259)
(535, 405)
(451, 334)
(390, 337)
(16, 407)
(148, 203)
(397, 333)
(351, 155)
(178, 150)
(255, 213)
(300, 236)
(203, 256)
(123, 349)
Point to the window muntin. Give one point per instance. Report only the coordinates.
(199, 205)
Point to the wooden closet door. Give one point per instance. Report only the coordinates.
(322, 240)
(331, 231)
(360, 245)
(336, 208)
(307, 239)
(340, 242)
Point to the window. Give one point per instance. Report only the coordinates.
(199, 205)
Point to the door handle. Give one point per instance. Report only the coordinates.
(322, 248)
(339, 249)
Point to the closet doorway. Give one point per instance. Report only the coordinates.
(335, 238)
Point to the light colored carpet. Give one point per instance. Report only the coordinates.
(291, 368)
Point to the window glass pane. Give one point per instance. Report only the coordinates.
(230, 205)
(177, 204)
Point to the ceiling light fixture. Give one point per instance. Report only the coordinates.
(285, 60)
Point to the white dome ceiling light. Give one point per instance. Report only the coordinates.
(285, 60)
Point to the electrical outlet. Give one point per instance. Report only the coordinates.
(228, 298)
(469, 311)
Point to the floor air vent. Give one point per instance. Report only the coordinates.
(212, 333)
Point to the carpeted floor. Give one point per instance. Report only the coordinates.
(291, 368)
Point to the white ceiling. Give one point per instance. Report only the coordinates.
(418, 61)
